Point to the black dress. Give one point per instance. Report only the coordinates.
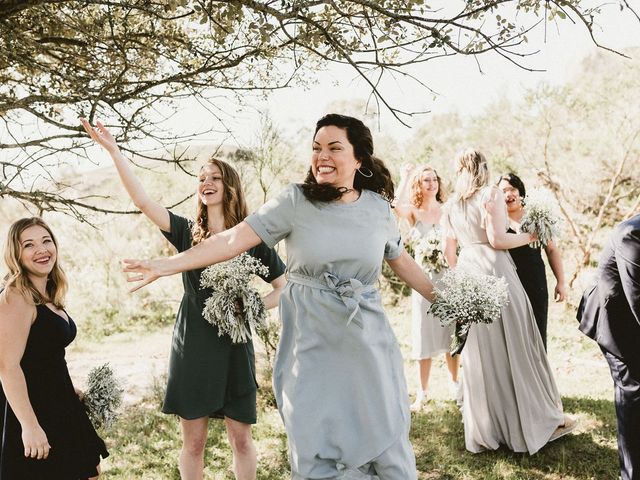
(531, 271)
(209, 375)
(76, 448)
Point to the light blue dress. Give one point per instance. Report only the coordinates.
(338, 374)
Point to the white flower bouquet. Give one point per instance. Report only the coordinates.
(103, 396)
(542, 216)
(234, 306)
(463, 299)
(428, 251)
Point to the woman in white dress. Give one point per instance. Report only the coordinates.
(510, 394)
(420, 195)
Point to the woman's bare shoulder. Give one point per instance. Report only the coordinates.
(14, 303)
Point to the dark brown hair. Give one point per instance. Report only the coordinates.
(515, 182)
(360, 138)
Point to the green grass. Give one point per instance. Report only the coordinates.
(145, 443)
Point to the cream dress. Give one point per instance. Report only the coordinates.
(510, 395)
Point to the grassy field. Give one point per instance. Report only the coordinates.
(145, 443)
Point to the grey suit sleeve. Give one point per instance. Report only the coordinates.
(628, 261)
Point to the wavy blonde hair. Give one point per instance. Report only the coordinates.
(234, 206)
(473, 173)
(416, 187)
(17, 277)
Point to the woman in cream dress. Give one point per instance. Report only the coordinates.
(420, 196)
(510, 394)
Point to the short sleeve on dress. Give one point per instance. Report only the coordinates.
(394, 247)
(270, 259)
(180, 234)
(445, 222)
(275, 219)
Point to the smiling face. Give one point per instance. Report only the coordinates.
(38, 253)
(333, 161)
(511, 195)
(429, 183)
(210, 186)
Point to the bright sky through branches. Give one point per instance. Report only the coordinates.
(457, 80)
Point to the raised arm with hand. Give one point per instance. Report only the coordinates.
(403, 207)
(151, 209)
(16, 316)
(217, 248)
(497, 221)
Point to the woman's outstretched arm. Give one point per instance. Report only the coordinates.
(151, 209)
(217, 248)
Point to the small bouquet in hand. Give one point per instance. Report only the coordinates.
(463, 299)
(542, 216)
(103, 396)
(429, 251)
(234, 306)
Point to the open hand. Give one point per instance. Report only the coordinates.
(144, 272)
(100, 135)
(36, 444)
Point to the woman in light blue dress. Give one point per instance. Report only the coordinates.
(338, 375)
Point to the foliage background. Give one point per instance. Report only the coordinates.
(579, 139)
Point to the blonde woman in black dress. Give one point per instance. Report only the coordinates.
(45, 431)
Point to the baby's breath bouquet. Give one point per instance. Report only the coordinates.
(542, 216)
(464, 298)
(234, 306)
(103, 396)
(429, 251)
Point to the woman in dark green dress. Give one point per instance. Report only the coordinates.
(529, 264)
(209, 376)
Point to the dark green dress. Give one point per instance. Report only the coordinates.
(209, 376)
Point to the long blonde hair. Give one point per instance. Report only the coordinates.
(17, 277)
(473, 173)
(234, 206)
(416, 187)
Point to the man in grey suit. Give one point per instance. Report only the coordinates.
(610, 314)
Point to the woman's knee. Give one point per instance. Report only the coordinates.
(194, 444)
(239, 436)
(194, 436)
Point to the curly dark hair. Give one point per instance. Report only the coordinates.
(360, 138)
(515, 182)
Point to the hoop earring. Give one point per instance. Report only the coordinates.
(359, 170)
